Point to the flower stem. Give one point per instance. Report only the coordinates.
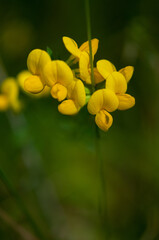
(99, 157)
(88, 21)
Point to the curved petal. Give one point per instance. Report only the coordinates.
(4, 103)
(36, 61)
(97, 76)
(84, 67)
(126, 101)
(59, 92)
(10, 88)
(127, 72)
(71, 46)
(22, 76)
(85, 46)
(58, 72)
(102, 99)
(68, 107)
(79, 94)
(33, 84)
(103, 120)
(105, 68)
(117, 83)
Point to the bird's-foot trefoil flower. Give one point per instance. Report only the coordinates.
(117, 82)
(100, 104)
(65, 86)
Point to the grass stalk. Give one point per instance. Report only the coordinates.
(21, 205)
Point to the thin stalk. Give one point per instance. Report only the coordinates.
(21, 205)
(88, 21)
(102, 194)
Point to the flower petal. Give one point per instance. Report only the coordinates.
(59, 92)
(105, 68)
(103, 120)
(79, 94)
(4, 103)
(126, 101)
(10, 88)
(85, 46)
(117, 83)
(36, 61)
(127, 72)
(33, 84)
(68, 107)
(71, 46)
(102, 99)
(84, 67)
(97, 76)
(57, 72)
(22, 76)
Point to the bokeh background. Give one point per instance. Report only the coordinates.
(50, 182)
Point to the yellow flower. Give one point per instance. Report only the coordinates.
(72, 47)
(100, 104)
(36, 62)
(85, 69)
(22, 76)
(64, 85)
(9, 95)
(117, 82)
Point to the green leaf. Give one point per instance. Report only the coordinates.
(49, 51)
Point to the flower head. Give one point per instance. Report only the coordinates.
(100, 104)
(64, 85)
(117, 82)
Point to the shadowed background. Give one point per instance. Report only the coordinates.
(50, 159)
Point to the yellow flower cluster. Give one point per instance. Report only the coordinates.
(70, 86)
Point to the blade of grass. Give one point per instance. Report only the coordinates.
(21, 205)
(25, 234)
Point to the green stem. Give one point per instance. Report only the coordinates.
(102, 194)
(87, 7)
(21, 205)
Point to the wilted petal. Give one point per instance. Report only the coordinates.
(126, 101)
(103, 120)
(127, 72)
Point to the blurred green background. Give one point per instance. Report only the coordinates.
(49, 160)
